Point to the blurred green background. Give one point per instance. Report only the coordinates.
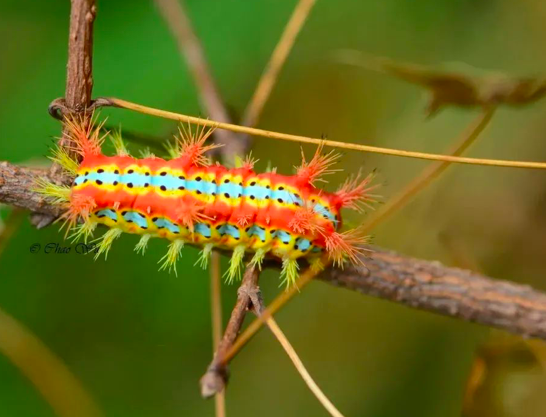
(139, 340)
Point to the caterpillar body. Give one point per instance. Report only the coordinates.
(188, 200)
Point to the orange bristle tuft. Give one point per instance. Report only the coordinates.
(355, 193)
(346, 245)
(189, 212)
(304, 222)
(244, 220)
(80, 206)
(84, 134)
(319, 165)
(249, 162)
(192, 146)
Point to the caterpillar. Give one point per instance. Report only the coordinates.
(189, 200)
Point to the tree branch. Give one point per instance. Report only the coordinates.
(79, 69)
(216, 376)
(448, 291)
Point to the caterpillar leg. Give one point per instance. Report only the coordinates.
(289, 272)
(106, 241)
(235, 264)
(172, 255)
(204, 256)
(142, 244)
(258, 258)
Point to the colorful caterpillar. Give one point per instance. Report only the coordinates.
(189, 200)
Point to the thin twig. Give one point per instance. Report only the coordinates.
(300, 367)
(216, 313)
(175, 14)
(305, 278)
(276, 61)
(115, 102)
(59, 387)
(429, 174)
(216, 376)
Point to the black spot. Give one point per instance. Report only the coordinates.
(247, 229)
(100, 216)
(155, 219)
(160, 227)
(252, 197)
(253, 183)
(86, 172)
(325, 216)
(226, 181)
(296, 247)
(239, 196)
(281, 188)
(297, 195)
(116, 183)
(163, 188)
(130, 171)
(181, 187)
(176, 232)
(123, 213)
(147, 174)
(268, 187)
(263, 240)
(129, 221)
(163, 174)
(99, 182)
(313, 200)
(213, 194)
(130, 185)
(116, 171)
(279, 200)
(226, 195)
(240, 184)
(181, 177)
(85, 180)
(235, 237)
(100, 171)
(267, 197)
(144, 227)
(114, 220)
(272, 231)
(219, 227)
(198, 192)
(146, 184)
(198, 179)
(297, 204)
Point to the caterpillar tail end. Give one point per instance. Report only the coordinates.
(354, 193)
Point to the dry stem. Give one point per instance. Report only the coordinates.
(115, 102)
(276, 61)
